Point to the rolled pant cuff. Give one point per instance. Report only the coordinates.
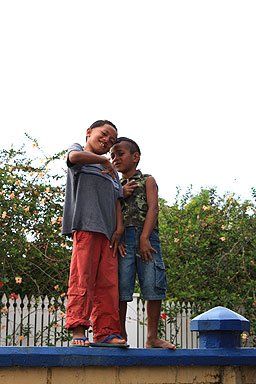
(72, 325)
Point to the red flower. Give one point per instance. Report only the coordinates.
(1, 284)
(13, 296)
(164, 317)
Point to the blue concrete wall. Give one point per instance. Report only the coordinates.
(78, 357)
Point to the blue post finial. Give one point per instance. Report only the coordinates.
(219, 328)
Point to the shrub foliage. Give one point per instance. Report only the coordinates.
(34, 256)
(209, 246)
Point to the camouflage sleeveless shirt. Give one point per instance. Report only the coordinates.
(135, 207)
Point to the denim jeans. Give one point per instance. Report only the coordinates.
(151, 276)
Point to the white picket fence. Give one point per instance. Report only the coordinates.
(40, 322)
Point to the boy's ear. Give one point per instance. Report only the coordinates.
(136, 157)
(88, 132)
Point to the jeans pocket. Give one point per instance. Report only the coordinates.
(161, 281)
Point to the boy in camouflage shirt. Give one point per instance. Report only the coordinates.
(140, 252)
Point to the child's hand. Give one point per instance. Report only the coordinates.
(122, 249)
(145, 250)
(109, 169)
(115, 241)
(128, 188)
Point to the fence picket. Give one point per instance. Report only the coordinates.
(25, 324)
(40, 322)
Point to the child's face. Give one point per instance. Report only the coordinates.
(100, 139)
(122, 158)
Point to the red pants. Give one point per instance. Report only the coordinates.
(93, 286)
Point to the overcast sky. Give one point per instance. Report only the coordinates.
(178, 77)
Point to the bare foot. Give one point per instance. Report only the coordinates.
(78, 332)
(158, 343)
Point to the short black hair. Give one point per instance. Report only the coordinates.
(100, 123)
(132, 144)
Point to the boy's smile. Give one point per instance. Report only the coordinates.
(100, 139)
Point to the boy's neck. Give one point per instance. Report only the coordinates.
(129, 174)
(88, 149)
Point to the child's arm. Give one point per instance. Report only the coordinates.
(117, 235)
(83, 158)
(151, 217)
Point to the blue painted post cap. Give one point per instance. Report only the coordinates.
(220, 318)
(219, 328)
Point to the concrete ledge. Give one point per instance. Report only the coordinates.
(117, 357)
(128, 375)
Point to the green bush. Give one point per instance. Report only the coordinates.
(34, 256)
(209, 246)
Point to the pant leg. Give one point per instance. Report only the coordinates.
(83, 270)
(127, 265)
(152, 277)
(105, 313)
